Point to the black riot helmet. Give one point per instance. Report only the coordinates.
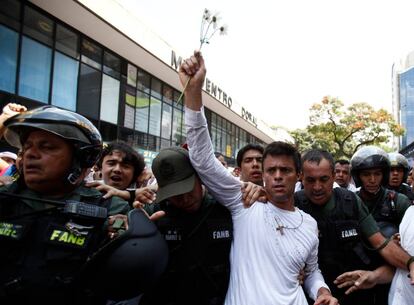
(129, 264)
(370, 157)
(73, 127)
(398, 160)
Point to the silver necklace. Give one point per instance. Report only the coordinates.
(281, 226)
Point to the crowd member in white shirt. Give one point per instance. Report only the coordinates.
(343, 175)
(272, 242)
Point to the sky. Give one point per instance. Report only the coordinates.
(280, 57)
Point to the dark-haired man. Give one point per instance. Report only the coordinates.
(49, 222)
(343, 175)
(249, 162)
(198, 232)
(343, 221)
(272, 242)
(120, 166)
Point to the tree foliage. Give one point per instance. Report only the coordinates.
(342, 131)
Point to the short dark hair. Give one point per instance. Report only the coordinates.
(246, 148)
(317, 155)
(131, 157)
(280, 148)
(218, 154)
(343, 162)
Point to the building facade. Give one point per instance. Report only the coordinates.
(403, 103)
(69, 54)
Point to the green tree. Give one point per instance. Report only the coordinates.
(342, 131)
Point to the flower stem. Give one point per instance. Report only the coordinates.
(185, 87)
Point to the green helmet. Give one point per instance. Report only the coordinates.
(73, 127)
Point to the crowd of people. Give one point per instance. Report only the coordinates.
(86, 223)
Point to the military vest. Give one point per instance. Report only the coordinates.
(42, 250)
(341, 246)
(199, 247)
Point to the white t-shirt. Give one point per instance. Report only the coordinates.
(402, 292)
(264, 263)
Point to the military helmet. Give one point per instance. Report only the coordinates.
(130, 264)
(370, 157)
(66, 124)
(398, 160)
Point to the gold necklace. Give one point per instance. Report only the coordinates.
(281, 226)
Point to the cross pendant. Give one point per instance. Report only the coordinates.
(280, 228)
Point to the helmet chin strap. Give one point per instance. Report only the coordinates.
(74, 173)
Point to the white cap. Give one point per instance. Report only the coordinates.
(8, 154)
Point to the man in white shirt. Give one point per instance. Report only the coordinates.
(272, 242)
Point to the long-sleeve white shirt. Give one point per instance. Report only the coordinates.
(402, 292)
(264, 263)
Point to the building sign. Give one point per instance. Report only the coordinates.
(149, 155)
(249, 117)
(218, 93)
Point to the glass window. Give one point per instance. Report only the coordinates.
(142, 112)
(167, 94)
(165, 143)
(153, 143)
(65, 81)
(129, 116)
(89, 91)
(38, 26)
(132, 75)
(156, 88)
(178, 103)
(109, 99)
(91, 54)
(108, 131)
(129, 107)
(177, 125)
(8, 59)
(155, 117)
(10, 13)
(112, 65)
(144, 81)
(140, 140)
(35, 70)
(126, 135)
(166, 121)
(67, 41)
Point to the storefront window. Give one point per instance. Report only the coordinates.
(112, 65)
(109, 99)
(142, 112)
(166, 121)
(155, 117)
(10, 13)
(65, 81)
(67, 41)
(35, 70)
(38, 26)
(144, 81)
(8, 59)
(91, 54)
(89, 91)
(132, 75)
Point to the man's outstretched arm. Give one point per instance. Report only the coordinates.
(220, 183)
